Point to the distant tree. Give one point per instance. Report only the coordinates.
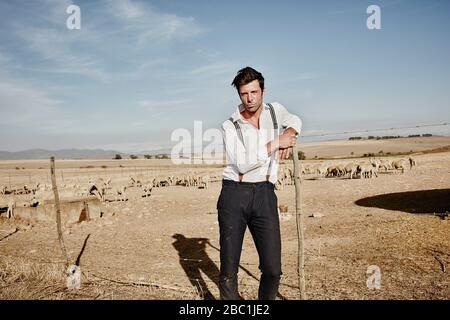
(301, 156)
(117, 157)
(132, 156)
(380, 152)
(147, 156)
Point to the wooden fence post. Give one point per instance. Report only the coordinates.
(300, 227)
(58, 210)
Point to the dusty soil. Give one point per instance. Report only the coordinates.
(166, 246)
(350, 148)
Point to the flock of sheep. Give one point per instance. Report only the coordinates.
(106, 191)
(141, 186)
(103, 189)
(363, 169)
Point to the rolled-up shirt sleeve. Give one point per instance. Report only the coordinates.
(245, 159)
(288, 120)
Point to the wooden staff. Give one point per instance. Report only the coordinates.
(58, 210)
(299, 220)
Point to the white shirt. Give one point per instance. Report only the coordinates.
(252, 159)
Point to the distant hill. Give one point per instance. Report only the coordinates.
(60, 154)
(37, 154)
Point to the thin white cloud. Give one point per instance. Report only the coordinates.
(163, 103)
(169, 28)
(22, 105)
(126, 9)
(91, 51)
(59, 50)
(150, 25)
(214, 69)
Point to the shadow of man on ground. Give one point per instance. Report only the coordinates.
(193, 259)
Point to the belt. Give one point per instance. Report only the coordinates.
(226, 182)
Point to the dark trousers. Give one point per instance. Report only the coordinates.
(254, 205)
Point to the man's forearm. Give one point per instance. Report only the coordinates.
(274, 145)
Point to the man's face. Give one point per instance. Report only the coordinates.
(251, 96)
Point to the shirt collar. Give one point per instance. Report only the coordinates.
(237, 113)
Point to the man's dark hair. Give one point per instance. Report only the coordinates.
(247, 75)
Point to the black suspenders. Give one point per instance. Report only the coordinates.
(241, 138)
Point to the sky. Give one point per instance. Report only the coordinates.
(138, 70)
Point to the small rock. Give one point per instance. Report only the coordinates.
(286, 217)
(316, 215)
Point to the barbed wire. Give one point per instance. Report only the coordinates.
(375, 130)
(368, 130)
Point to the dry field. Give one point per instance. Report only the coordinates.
(345, 148)
(166, 246)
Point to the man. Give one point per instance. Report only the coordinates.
(247, 198)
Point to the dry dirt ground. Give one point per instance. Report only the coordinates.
(166, 246)
(349, 148)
